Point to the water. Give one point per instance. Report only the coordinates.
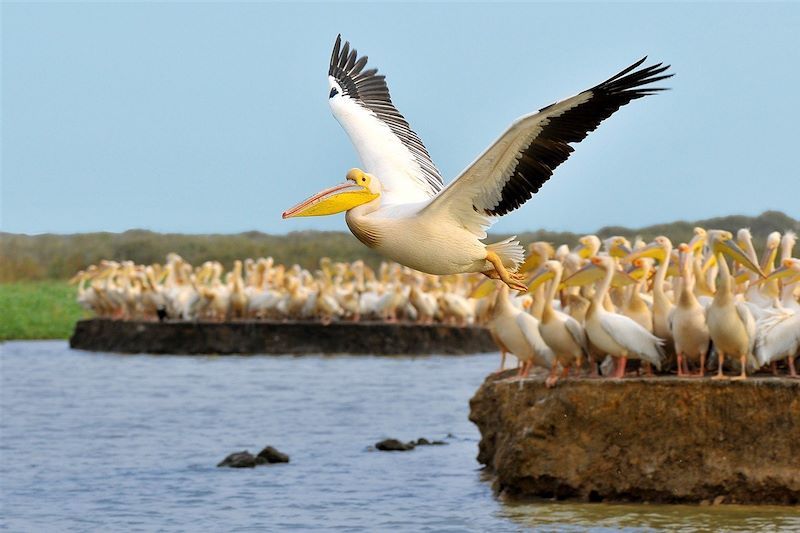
(101, 442)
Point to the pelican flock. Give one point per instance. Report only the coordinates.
(261, 289)
(398, 204)
(585, 306)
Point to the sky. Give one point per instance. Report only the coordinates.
(213, 118)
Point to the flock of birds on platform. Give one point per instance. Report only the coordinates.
(659, 304)
(602, 302)
(262, 289)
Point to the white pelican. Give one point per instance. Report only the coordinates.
(399, 205)
(730, 323)
(562, 333)
(518, 333)
(618, 335)
(661, 249)
(779, 331)
(687, 320)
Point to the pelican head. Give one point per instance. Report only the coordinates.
(656, 249)
(790, 268)
(360, 188)
(618, 246)
(545, 272)
(771, 251)
(721, 241)
(588, 245)
(699, 240)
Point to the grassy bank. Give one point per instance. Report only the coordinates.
(38, 310)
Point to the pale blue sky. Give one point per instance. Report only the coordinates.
(198, 117)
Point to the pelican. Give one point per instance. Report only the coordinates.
(687, 320)
(398, 205)
(730, 323)
(619, 335)
(518, 333)
(660, 248)
(562, 333)
(779, 330)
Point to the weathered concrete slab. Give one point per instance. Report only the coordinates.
(265, 337)
(659, 440)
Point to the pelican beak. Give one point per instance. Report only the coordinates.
(531, 262)
(636, 272)
(697, 242)
(768, 257)
(622, 279)
(742, 276)
(586, 275)
(484, 289)
(710, 262)
(779, 273)
(651, 250)
(539, 277)
(583, 251)
(731, 249)
(330, 201)
(620, 251)
(592, 272)
(683, 257)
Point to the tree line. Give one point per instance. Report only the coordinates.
(54, 256)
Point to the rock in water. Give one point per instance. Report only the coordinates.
(422, 441)
(271, 455)
(243, 459)
(658, 440)
(394, 445)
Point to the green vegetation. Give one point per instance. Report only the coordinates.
(38, 310)
(40, 257)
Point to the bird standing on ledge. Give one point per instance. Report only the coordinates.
(399, 205)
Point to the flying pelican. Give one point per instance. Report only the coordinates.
(399, 205)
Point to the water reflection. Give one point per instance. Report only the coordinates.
(561, 516)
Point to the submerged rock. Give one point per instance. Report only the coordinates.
(394, 445)
(271, 455)
(658, 440)
(422, 441)
(243, 459)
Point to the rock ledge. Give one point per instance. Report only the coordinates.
(275, 337)
(659, 440)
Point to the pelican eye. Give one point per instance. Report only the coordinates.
(333, 93)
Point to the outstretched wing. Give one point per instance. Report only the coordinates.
(512, 169)
(386, 144)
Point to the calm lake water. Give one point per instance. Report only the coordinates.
(102, 442)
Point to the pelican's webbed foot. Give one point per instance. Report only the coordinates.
(514, 280)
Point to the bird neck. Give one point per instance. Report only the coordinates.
(724, 292)
(687, 297)
(661, 273)
(602, 289)
(548, 311)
